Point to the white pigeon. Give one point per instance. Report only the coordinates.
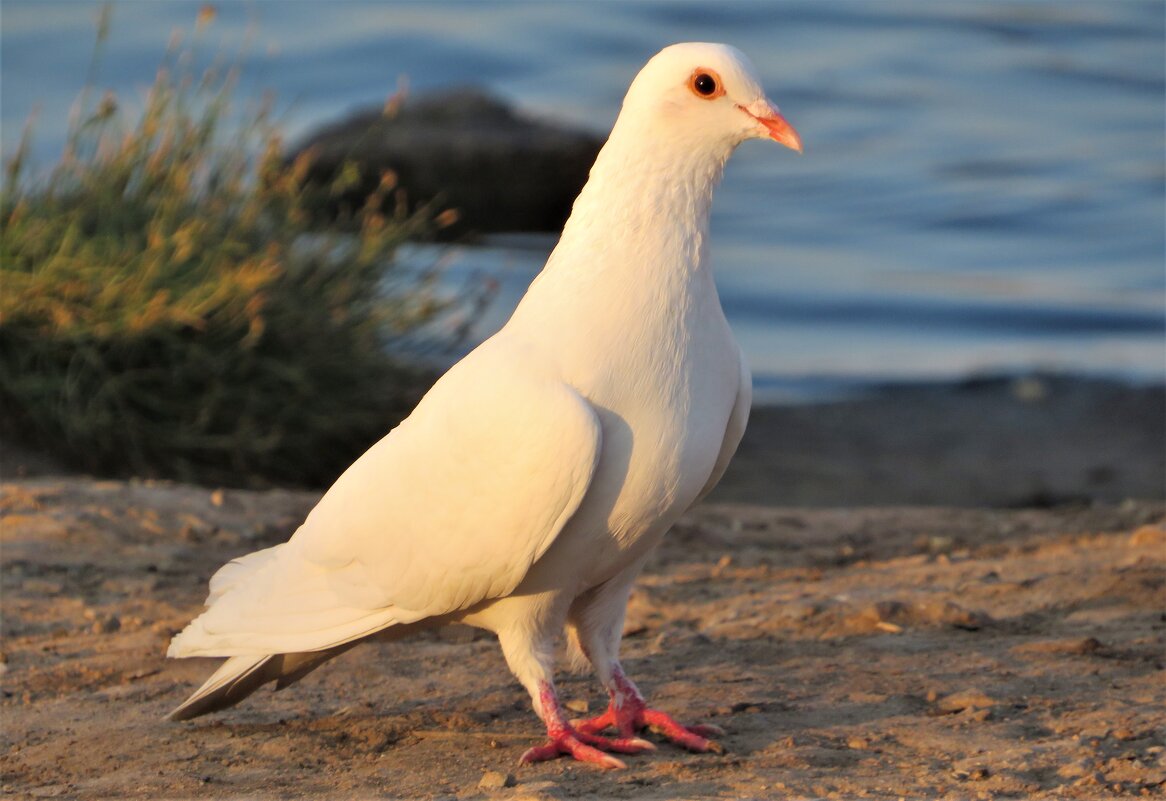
(526, 490)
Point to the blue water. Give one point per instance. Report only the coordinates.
(982, 189)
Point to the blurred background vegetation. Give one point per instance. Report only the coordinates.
(167, 308)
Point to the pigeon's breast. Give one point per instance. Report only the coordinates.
(664, 399)
(673, 434)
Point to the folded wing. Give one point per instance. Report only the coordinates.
(451, 508)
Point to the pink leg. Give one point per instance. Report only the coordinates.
(563, 738)
(628, 713)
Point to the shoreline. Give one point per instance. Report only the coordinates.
(1000, 442)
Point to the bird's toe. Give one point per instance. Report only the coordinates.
(587, 748)
(693, 738)
(620, 745)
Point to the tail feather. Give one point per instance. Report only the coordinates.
(240, 676)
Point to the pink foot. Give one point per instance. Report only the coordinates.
(586, 748)
(634, 715)
(565, 740)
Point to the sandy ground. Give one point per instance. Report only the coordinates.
(881, 653)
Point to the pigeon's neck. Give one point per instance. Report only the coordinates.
(646, 204)
(634, 251)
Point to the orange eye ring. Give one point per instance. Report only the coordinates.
(706, 84)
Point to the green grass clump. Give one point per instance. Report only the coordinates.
(166, 310)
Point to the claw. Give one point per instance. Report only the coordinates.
(706, 730)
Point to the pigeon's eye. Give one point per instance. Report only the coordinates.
(705, 84)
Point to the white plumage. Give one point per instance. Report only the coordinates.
(526, 489)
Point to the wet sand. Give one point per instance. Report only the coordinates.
(1036, 441)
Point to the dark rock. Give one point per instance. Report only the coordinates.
(468, 150)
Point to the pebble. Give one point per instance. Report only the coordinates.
(1148, 535)
(1090, 780)
(965, 699)
(750, 707)
(536, 791)
(106, 624)
(1075, 770)
(495, 780)
(577, 705)
(940, 544)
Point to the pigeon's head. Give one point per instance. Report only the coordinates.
(705, 92)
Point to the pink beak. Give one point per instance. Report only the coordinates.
(779, 129)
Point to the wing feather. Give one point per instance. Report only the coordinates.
(451, 508)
